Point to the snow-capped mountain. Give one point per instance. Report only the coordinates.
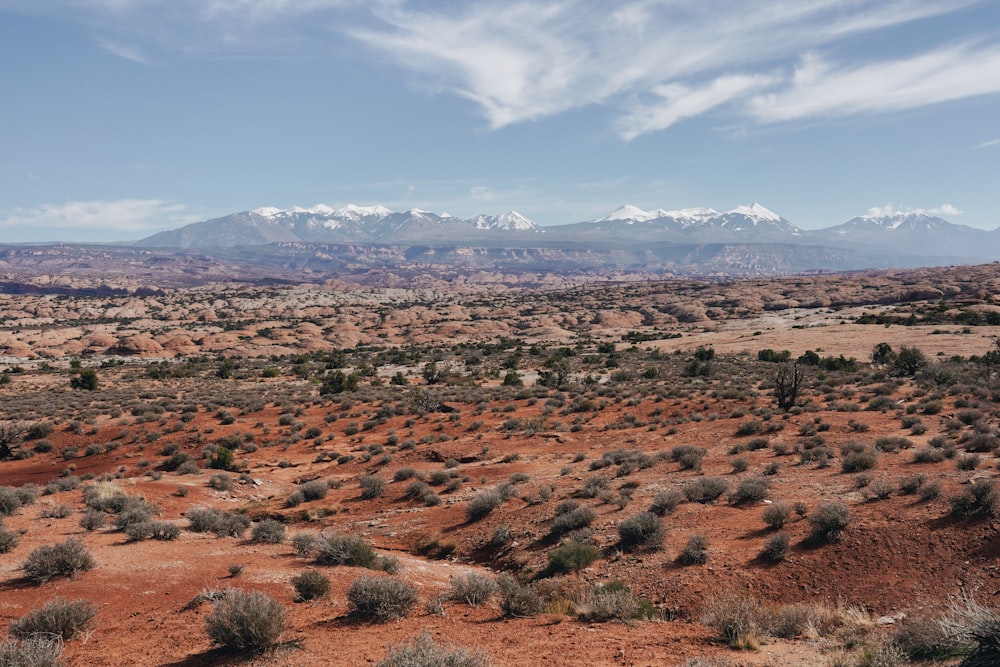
(910, 232)
(878, 234)
(749, 224)
(511, 221)
(347, 224)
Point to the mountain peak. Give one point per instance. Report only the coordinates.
(631, 212)
(757, 212)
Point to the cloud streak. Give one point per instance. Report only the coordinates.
(123, 215)
(890, 211)
(650, 63)
(819, 88)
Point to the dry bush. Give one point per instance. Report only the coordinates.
(58, 560)
(482, 504)
(472, 588)
(517, 600)
(32, 652)
(645, 529)
(423, 651)
(666, 502)
(609, 602)
(8, 540)
(739, 620)
(828, 521)
(776, 548)
(695, 552)
(310, 585)
(245, 621)
(572, 557)
(922, 638)
(348, 550)
(62, 619)
(975, 626)
(268, 531)
(705, 489)
(569, 518)
(381, 599)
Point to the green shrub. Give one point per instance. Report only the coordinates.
(245, 621)
(381, 599)
(643, 529)
(58, 560)
(572, 557)
(62, 619)
(310, 585)
(423, 651)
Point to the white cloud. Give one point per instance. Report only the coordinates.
(890, 211)
(678, 102)
(525, 60)
(655, 61)
(989, 144)
(481, 193)
(126, 52)
(123, 215)
(820, 88)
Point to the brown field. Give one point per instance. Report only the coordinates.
(615, 380)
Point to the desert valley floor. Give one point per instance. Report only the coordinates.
(615, 467)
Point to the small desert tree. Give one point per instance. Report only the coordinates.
(787, 385)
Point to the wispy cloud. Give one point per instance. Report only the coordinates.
(820, 88)
(989, 144)
(653, 63)
(677, 101)
(890, 210)
(123, 215)
(126, 52)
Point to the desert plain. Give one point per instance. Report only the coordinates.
(614, 466)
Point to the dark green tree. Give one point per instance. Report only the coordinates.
(85, 379)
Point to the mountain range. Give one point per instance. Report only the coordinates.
(880, 238)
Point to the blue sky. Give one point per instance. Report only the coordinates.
(123, 117)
